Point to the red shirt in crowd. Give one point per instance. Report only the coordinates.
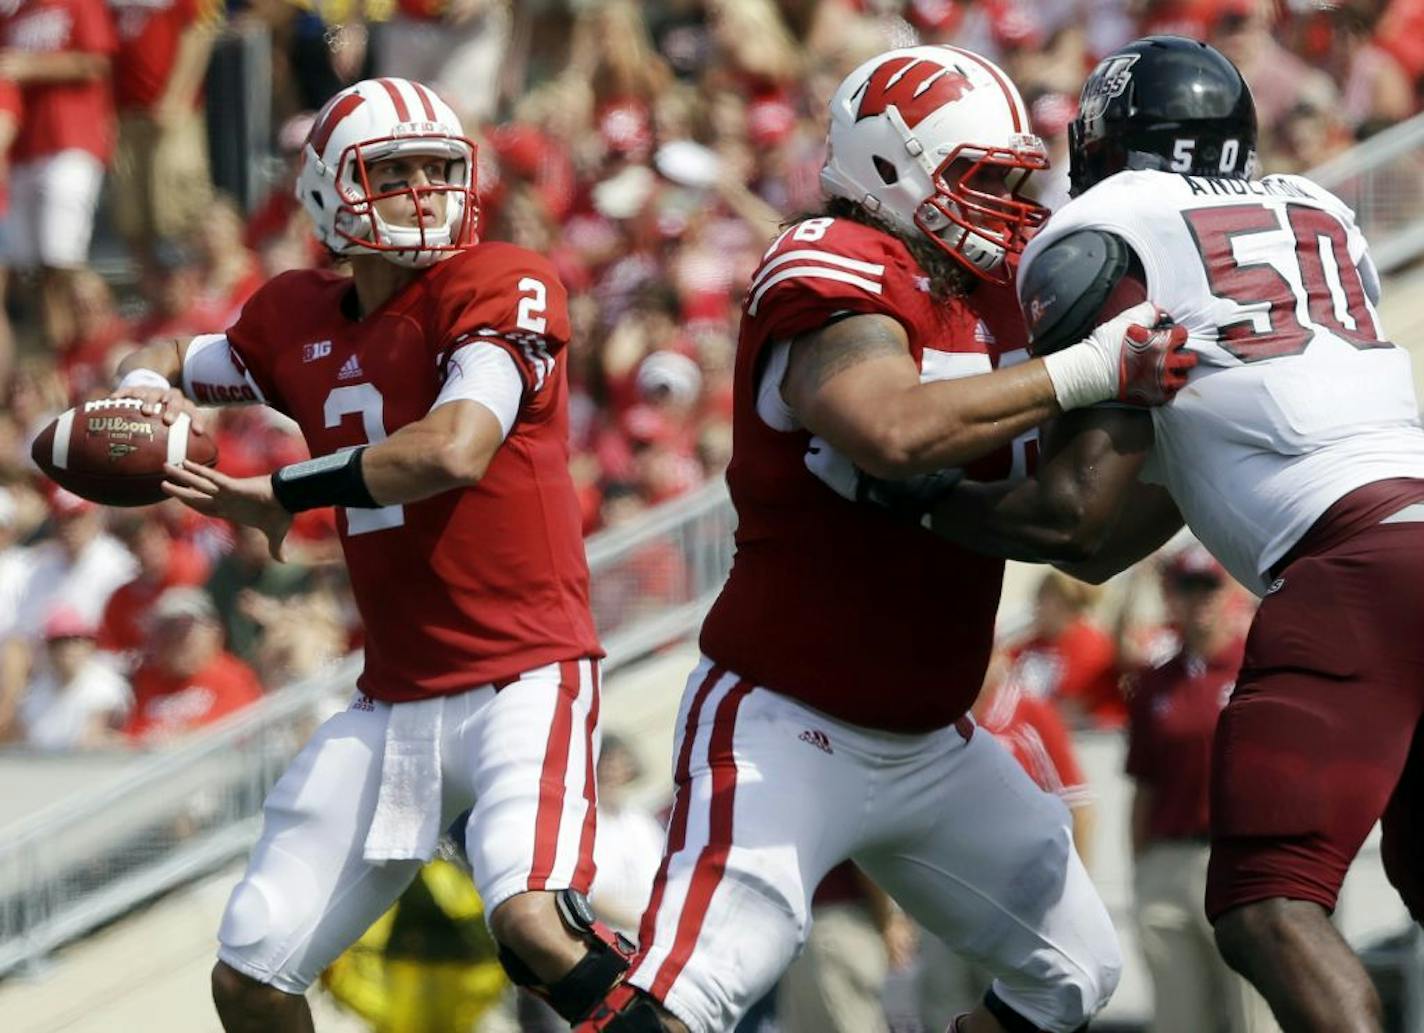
(1173, 711)
(122, 628)
(9, 105)
(148, 32)
(1039, 740)
(422, 10)
(1079, 665)
(63, 116)
(166, 706)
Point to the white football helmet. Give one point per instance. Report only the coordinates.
(370, 121)
(937, 140)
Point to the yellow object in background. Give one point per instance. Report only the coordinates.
(428, 965)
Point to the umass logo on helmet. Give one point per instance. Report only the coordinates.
(1110, 80)
(915, 88)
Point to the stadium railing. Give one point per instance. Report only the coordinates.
(181, 813)
(1382, 179)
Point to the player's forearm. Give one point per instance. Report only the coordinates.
(1017, 520)
(410, 467)
(451, 448)
(1146, 519)
(162, 357)
(949, 423)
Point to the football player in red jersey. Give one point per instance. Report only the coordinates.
(430, 387)
(827, 718)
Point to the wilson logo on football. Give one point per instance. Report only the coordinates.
(916, 89)
(118, 426)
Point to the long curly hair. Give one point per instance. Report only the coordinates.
(948, 279)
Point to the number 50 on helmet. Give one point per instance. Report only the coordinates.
(936, 141)
(371, 121)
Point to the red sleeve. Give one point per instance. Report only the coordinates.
(819, 268)
(257, 329)
(508, 297)
(93, 28)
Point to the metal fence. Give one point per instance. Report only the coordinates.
(73, 866)
(1382, 179)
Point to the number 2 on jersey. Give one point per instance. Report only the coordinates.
(364, 399)
(1250, 284)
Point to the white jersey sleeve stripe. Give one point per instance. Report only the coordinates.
(810, 272)
(484, 373)
(813, 255)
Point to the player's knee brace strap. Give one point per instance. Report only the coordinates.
(584, 986)
(624, 1010)
(1011, 1020)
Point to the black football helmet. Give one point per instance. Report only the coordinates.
(1163, 102)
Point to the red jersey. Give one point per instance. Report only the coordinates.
(65, 115)
(470, 586)
(165, 705)
(148, 33)
(864, 615)
(1172, 715)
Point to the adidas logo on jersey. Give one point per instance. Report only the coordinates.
(350, 369)
(818, 739)
(363, 702)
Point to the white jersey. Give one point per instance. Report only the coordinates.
(1298, 398)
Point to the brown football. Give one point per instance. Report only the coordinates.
(109, 452)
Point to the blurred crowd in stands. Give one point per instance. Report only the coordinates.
(650, 149)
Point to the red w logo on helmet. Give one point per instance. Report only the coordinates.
(330, 117)
(922, 89)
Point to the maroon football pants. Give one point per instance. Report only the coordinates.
(1322, 736)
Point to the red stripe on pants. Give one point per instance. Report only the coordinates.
(551, 779)
(677, 824)
(713, 860)
(583, 874)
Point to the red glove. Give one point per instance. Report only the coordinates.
(1153, 364)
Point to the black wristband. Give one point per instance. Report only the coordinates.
(333, 480)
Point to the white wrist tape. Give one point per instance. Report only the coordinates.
(1080, 376)
(144, 378)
